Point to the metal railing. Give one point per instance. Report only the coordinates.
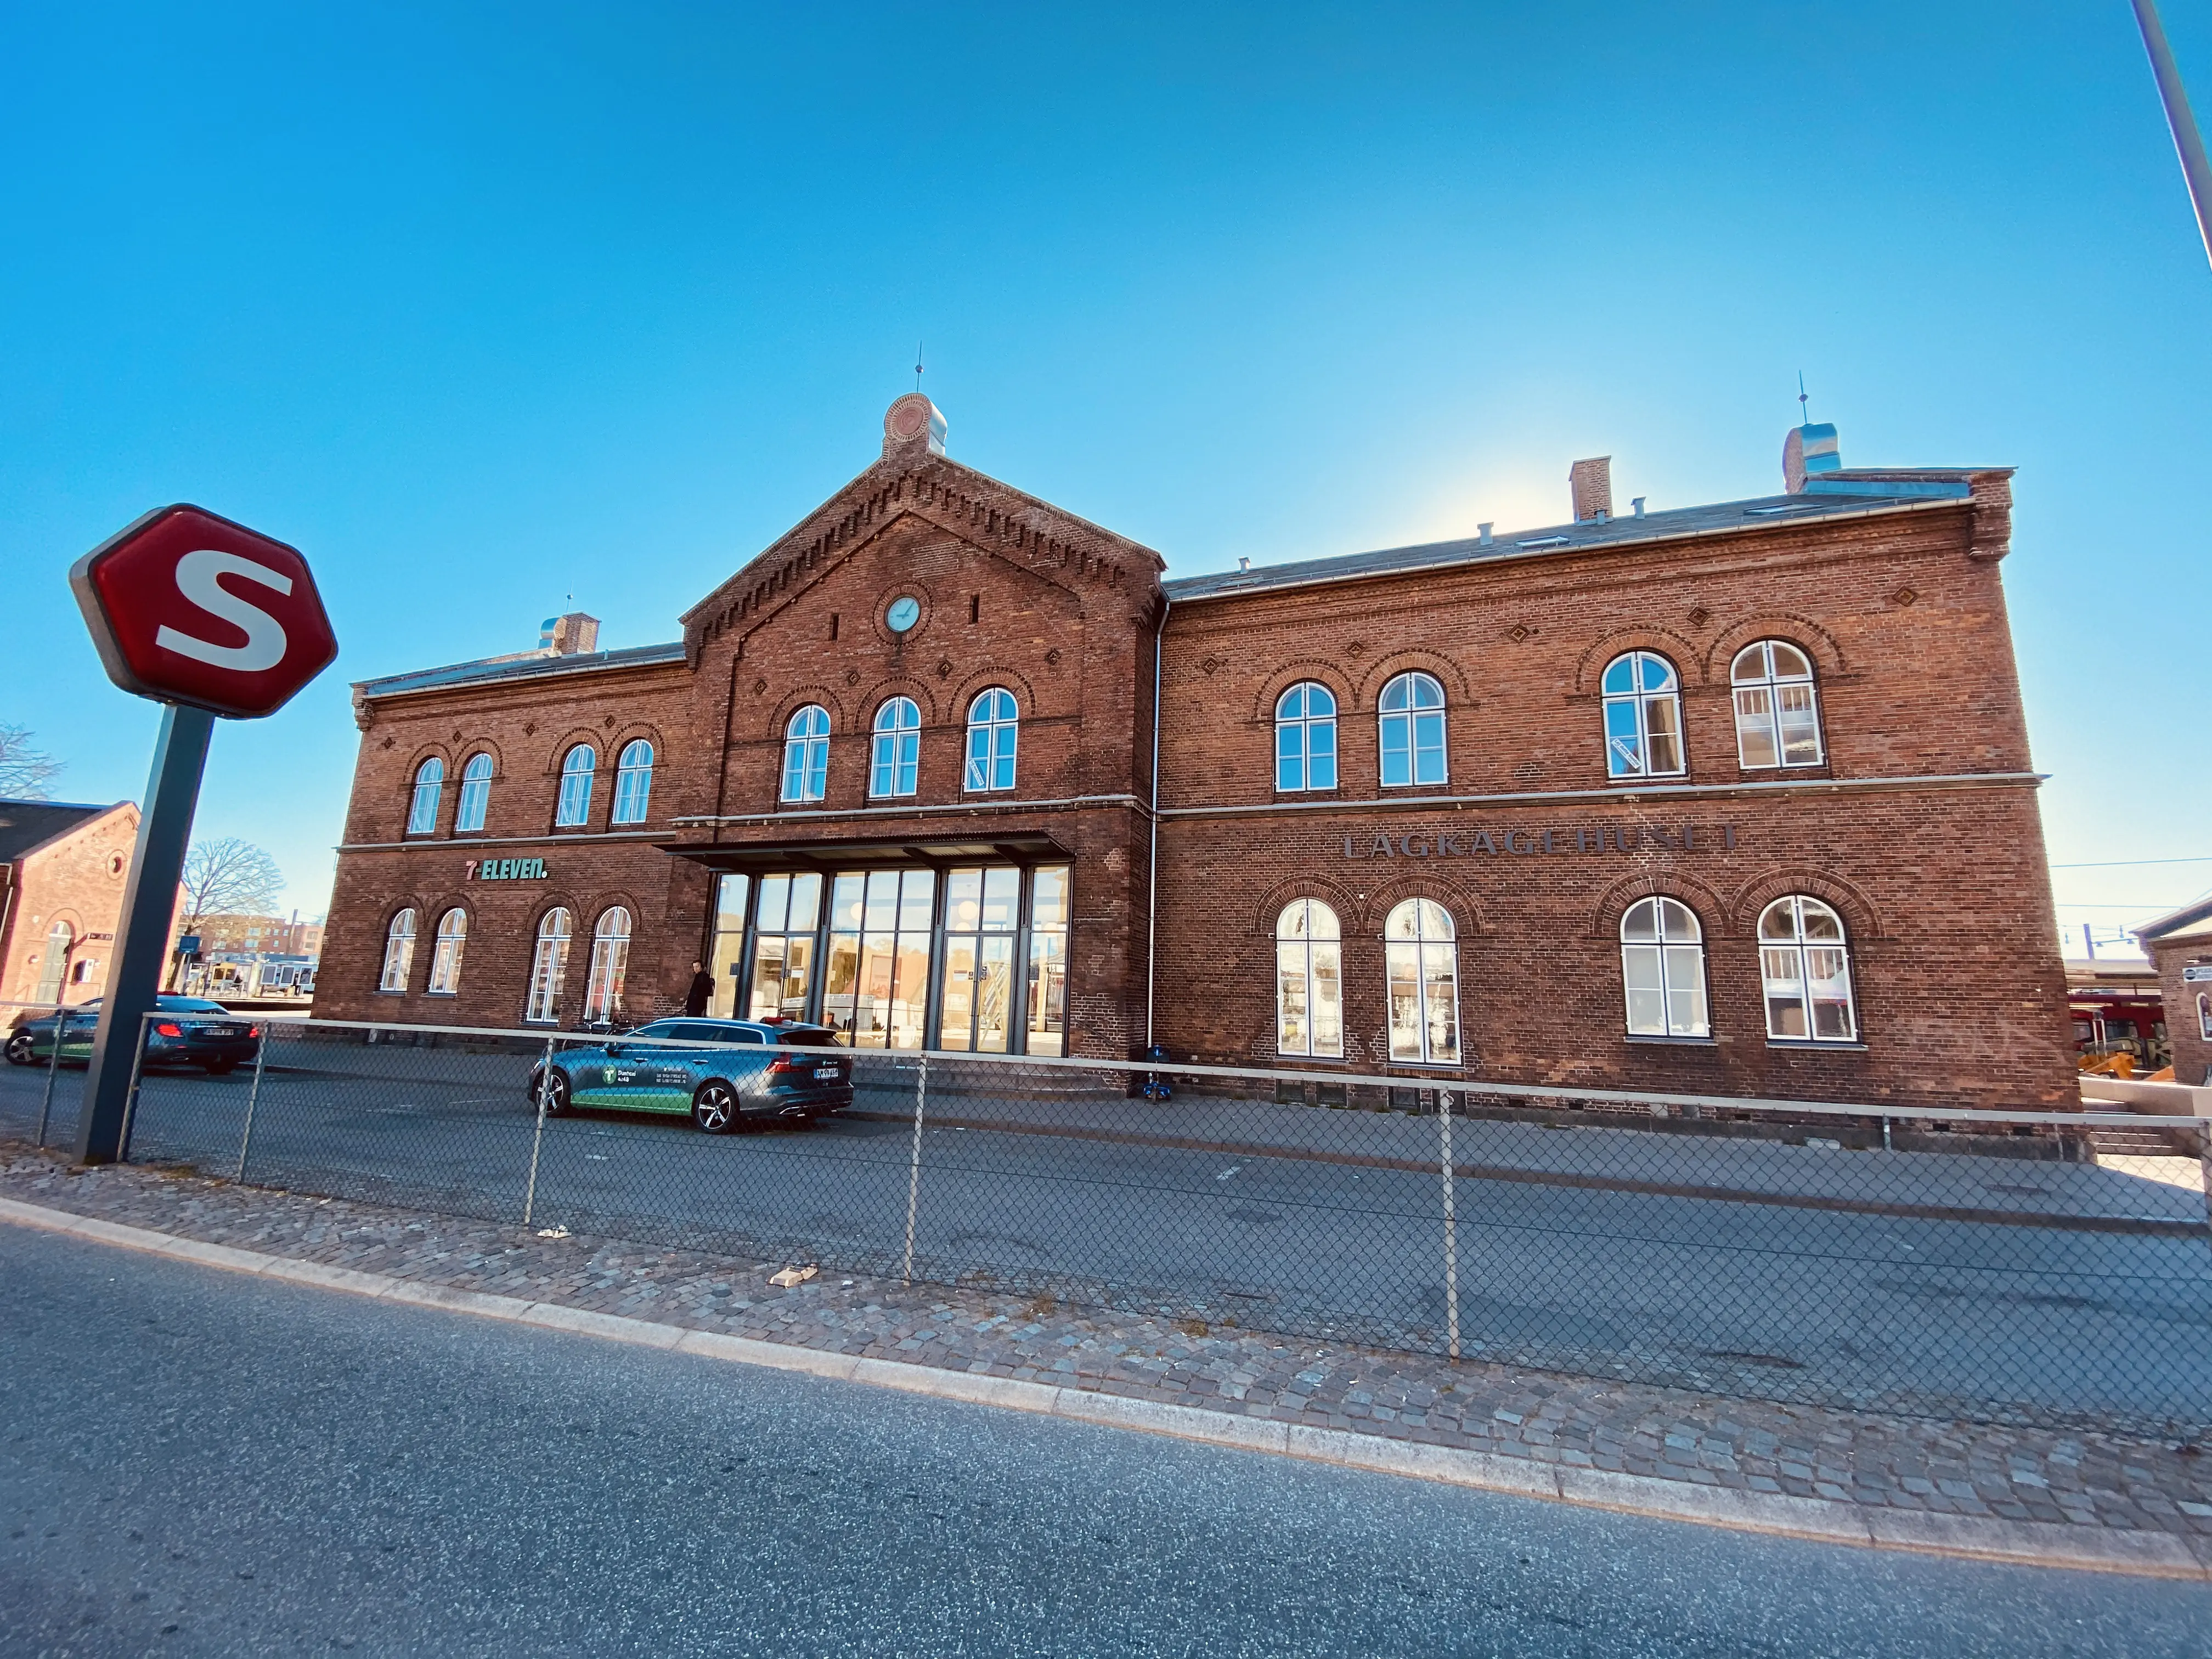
(1944, 1261)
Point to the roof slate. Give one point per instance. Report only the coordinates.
(27, 825)
(486, 670)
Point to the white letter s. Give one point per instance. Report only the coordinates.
(265, 636)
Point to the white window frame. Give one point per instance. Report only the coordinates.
(1758, 698)
(805, 755)
(1434, 940)
(1308, 935)
(423, 804)
(633, 782)
(446, 955)
(1670, 960)
(895, 751)
(573, 811)
(999, 728)
(1411, 716)
(2204, 1015)
(549, 966)
(1786, 965)
(468, 813)
(398, 953)
(602, 989)
(1638, 702)
(1302, 726)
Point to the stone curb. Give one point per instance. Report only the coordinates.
(2023, 1543)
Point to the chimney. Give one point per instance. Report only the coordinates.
(913, 422)
(568, 634)
(1483, 531)
(1591, 484)
(1809, 451)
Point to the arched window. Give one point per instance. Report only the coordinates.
(1305, 738)
(1423, 962)
(602, 991)
(53, 962)
(1663, 969)
(1643, 717)
(446, 958)
(1805, 960)
(422, 810)
(1309, 980)
(549, 966)
(897, 752)
(633, 782)
(577, 767)
(2205, 1016)
(1777, 714)
(994, 726)
(807, 754)
(399, 952)
(1412, 716)
(475, 793)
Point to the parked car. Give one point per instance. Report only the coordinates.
(723, 1072)
(186, 1031)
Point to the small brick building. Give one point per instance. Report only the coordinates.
(1731, 800)
(62, 872)
(2179, 946)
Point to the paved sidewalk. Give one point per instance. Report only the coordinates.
(2103, 1492)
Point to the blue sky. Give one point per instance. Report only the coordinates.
(484, 307)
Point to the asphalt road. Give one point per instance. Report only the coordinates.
(1886, 1303)
(198, 1463)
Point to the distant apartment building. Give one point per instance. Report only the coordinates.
(242, 935)
(62, 870)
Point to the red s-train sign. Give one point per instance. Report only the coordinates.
(187, 607)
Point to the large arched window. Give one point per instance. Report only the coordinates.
(1663, 969)
(1309, 980)
(446, 957)
(422, 810)
(1305, 738)
(1643, 717)
(1777, 714)
(633, 782)
(1805, 962)
(993, 727)
(896, 754)
(399, 952)
(1412, 719)
(475, 793)
(1423, 964)
(807, 754)
(602, 991)
(53, 962)
(549, 967)
(577, 768)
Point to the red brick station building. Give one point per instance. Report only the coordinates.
(1727, 799)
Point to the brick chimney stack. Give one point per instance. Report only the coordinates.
(568, 634)
(1591, 484)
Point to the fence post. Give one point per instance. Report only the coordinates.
(914, 1166)
(245, 1140)
(1444, 1104)
(537, 1139)
(131, 1094)
(53, 1065)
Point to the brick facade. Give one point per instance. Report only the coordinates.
(70, 873)
(1919, 826)
(2188, 1002)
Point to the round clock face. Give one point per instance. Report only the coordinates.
(903, 614)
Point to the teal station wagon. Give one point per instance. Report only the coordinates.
(722, 1073)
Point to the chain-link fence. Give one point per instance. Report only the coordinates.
(1961, 1264)
(45, 1045)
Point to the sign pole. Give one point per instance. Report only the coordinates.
(150, 903)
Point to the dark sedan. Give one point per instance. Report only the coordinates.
(185, 1031)
(721, 1072)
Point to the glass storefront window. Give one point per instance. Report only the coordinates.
(783, 945)
(982, 910)
(1422, 959)
(1309, 980)
(1047, 1001)
(877, 992)
(726, 951)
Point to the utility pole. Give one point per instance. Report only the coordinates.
(2194, 167)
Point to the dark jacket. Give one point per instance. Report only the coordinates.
(702, 988)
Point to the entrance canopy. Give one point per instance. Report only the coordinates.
(831, 854)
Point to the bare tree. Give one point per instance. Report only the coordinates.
(227, 877)
(25, 772)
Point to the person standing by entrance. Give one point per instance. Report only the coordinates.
(703, 989)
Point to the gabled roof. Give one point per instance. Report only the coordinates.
(2184, 920)
(531, 667)
(27, 825)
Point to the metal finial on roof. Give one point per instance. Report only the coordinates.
(917, 365)
(1804, 414)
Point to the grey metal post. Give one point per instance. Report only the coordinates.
(245, 1140)
(2195, 171)
(131, 1095)
(53, 1065)
(150, 897)
(1452, 1224)
(537, 1139)
(914, 1166)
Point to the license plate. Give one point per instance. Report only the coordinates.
(221, 1032)
(828, 1071)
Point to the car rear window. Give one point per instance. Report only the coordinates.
(720, 1034)
(807, 1036)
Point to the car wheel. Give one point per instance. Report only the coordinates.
(714, 1107)
(20, 1049)
(220, 1067)
(554, 1090)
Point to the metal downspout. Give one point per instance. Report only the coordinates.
(1152, 863)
